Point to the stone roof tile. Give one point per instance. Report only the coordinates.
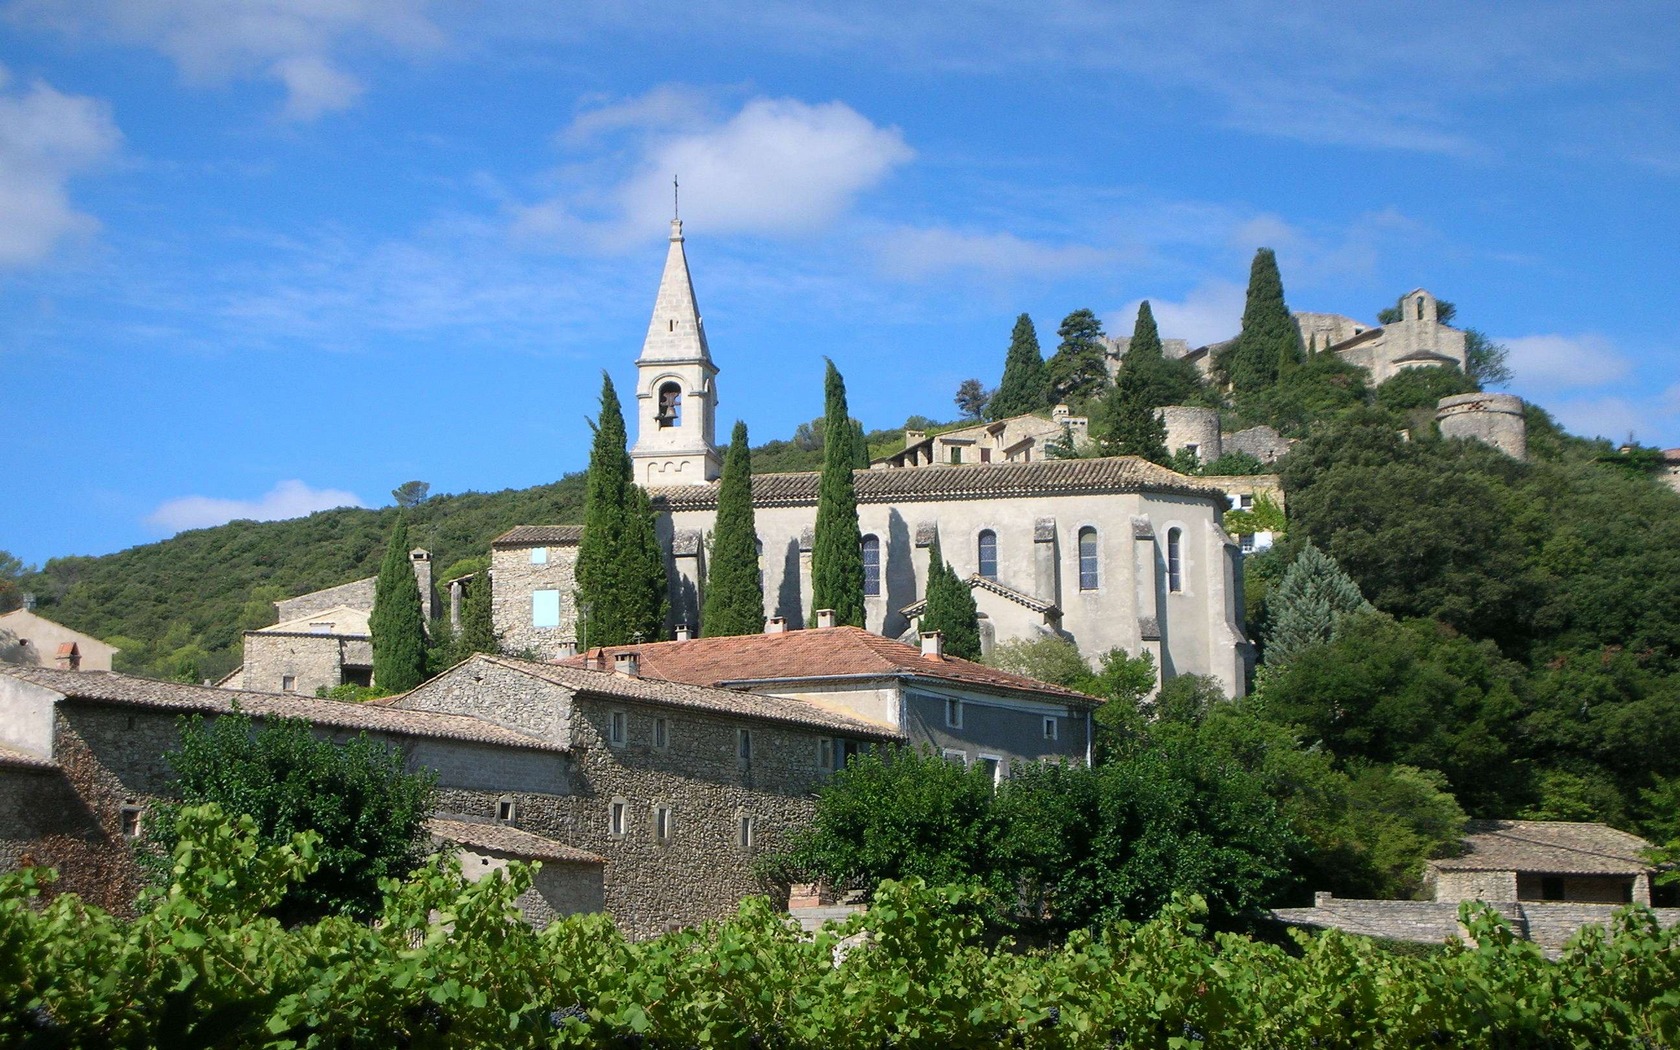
(23, 759)
(114, 688)
(977, 481)
(830, 652)
(1548, 847)
(510, 840)
(543, 535)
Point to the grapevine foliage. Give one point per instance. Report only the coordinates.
(451, 964)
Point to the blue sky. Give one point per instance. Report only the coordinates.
(262, 258)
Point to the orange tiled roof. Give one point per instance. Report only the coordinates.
(830, 652)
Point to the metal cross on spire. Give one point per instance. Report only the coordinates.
(676, 213)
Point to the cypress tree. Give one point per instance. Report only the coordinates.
(1079, 368)
(1309, 605)
(1269, 343)
(950, 607)
(860, 446)
(621, 583)
(1157, 380)
(836, 553)
(396, 623)
(1026, 383)
(734, 591)
(1127, 424)
(478, 627)
(644, 591)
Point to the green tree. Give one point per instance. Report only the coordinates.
(621, 580)
(1308, 607)
(396, 623)
(950, 608)
(1128, 425)
(368, 809)
(1026, 383)
(734, 588)
(1421, 388)
(412, 493)
(971, 399)
(836, 552)
(478, 625)
(643, 583)
(1486, 361)
(1269, 343)
(1153, 378)
(1078, 370)
(12, 571)
(860, 446)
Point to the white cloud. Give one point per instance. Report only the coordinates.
(926, 252)
(214, 41)
(46, 137)
(776, 167)
(288, 499)
(1212, 311)
(1564, 362)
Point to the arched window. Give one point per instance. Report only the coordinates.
(670, 405)
(1088, 559)
(1420, 307)
(871, 566)
(1175, 560)
(988, 554)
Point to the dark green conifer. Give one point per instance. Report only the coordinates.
(950, 607)
(1269, 343)
(1128, 425)
(860, 446)
(478, 627)
(1155, 379)
(644, 588)
(734, 590)
(1026, 383)
(396, 622)
(1308, 607)
(1079, 368)
(621, 582)
(836, 554)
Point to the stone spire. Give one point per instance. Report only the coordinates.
(676, 392)
(674, 332)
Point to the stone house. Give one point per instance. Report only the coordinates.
(970, 713)
(32, 640)
(1548, 879)
(1418, 339)
(533, 607)
(1018, 439)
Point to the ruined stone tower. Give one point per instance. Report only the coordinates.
(1496, 419)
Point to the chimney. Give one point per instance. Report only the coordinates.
(627, 664)
(567, 649)
(28, 601)
(684, 632)
(825, 617)
(775, 625)
(913, 437)
(421, 559)
(933, 645)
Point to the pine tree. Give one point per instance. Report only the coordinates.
(396, 623)
(1079, 368)
(1128, 425)
(1157, 380)
(950, 607)
(836, 553)
(1308, 606)
(621, 581)
(478, 626)
(1026, 382)
(734, 589)
(1269, 343)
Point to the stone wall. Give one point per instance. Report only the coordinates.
(1455, 886)
(357, 594)
(1261, 442)
(310, 660)
(515, 578)
(1188, 425)
(560, 888)
(1547, 924)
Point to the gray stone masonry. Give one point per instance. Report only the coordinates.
(1493, 419)
(308, 660)
(1548, 924)
(1188, 425)
(516, 578)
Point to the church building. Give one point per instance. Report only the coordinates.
(1113, 552)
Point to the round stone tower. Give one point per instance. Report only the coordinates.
(1496, 419)
(1189, 427)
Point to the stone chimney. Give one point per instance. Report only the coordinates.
(912, 437)
(627, 664)
(421, 559)
(775, 625)
(825, 617)
(933, 645)
(684, 632)
(567, 649)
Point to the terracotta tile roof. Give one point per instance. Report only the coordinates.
(505, 839)
(539, 535)
(830, 652)
(661, 689)
(23, 759)
(1049, 477)
(113, 688)
(1548, 847)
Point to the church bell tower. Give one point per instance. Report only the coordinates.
(676, 385)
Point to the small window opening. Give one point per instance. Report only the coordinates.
(956, 453)
(618, 729)
(956, 758)
(288, 683)
(131, 822)
(953, 714)
(504, 809)
(662, 823)
(673, 325)
(743, 745)
(1051, 728)
(744, 832)
(539, 555)
(661, 733)
(615, 820)
(988, 554)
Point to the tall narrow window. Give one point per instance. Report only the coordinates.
(1175, 560)
(1420, 307)
(670, 405)
(871, 566)
(953, 713)
(744, 832)
(743, 746)
(662, 823)
(661, 734)
(956, 453)
(1088, 559)
(615, 818)
(618, 728)
(545, 608)
(988, 554)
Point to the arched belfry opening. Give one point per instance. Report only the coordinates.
(670, 405)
